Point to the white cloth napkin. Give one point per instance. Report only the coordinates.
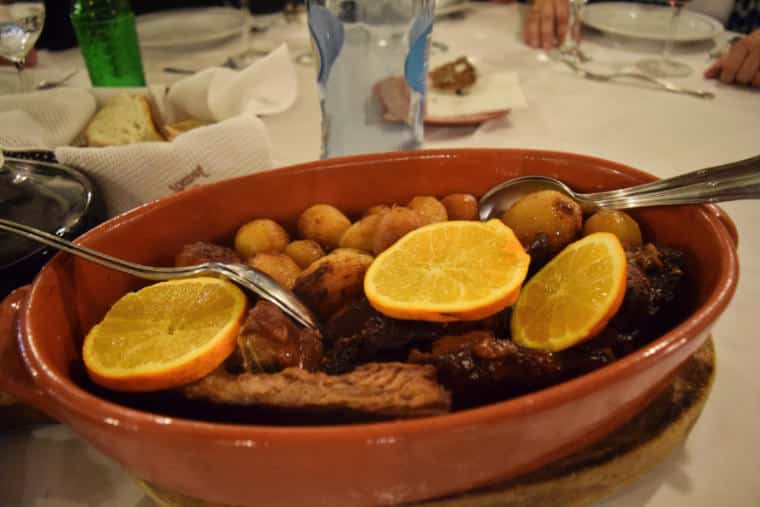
(234, 144)
(45, 119)
(493, 91)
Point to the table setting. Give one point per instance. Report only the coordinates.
(246, 119)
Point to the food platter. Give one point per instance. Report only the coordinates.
(554, 422)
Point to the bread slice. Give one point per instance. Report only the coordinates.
(173, 130)
(124, 119)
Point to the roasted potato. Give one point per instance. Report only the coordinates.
(549, 212)
(260, 236)
(280, 267)
(361, 233)
(618, 223)
(333, 280)
(461, 206)
(392, 226)
(324, 224)
(304, 252)
(429, 209)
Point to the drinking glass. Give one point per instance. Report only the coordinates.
(571, 46)
(20, 27)
(259, 16)
(665, 66)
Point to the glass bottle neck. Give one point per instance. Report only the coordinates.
(100, 8)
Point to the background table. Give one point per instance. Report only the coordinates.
(655, 131)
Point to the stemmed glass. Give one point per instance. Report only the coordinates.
(20, 26)
(665, 66)
(571, 46)
(260, 23)
(247, 55)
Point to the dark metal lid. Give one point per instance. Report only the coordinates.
(48, 196)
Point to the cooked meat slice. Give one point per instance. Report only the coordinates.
(360, 334)
(381, 389)
(270, 341)
(477, 367)
(655, 278)
(201, 251)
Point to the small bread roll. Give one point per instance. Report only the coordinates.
(124, 119)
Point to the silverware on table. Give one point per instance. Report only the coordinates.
(229, 63)
(46, 84)
(727, 182)
(623, 74)
(241, 274)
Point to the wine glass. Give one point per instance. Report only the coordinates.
(247, 55)
(259, 16)
(665, 66)
(20, 26)
(571, 46)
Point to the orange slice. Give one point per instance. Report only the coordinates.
(165, 335)
(447, 271)
(573, 297)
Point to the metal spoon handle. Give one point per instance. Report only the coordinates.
(255, 281)
(734, 181)
(138, 270)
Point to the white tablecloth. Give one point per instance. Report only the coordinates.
(655, 131)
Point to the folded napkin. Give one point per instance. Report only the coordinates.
(493, 91)
(234, 144)
(44, 120)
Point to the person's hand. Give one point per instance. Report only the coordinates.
(546, 25)
(742, 63)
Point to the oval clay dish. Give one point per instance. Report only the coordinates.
(361, 464)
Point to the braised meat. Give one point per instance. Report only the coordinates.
(270, 341)
(200, 252)
(359, 334)
(655, 281)
(380, 389)
(477, 367)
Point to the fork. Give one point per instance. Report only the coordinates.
(661, 83)
(253, 280)
(45, 84)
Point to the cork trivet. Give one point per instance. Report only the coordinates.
(592, 474)
(14, 415)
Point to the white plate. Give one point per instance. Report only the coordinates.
(189, 27)
(649, 22)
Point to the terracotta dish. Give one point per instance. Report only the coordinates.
(363, 464)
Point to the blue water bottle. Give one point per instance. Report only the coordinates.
(372, 71)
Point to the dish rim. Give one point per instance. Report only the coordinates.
(717, 26)
(212, 37)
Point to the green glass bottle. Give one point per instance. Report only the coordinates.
(108, 40)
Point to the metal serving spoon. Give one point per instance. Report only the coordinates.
(253, 280)
(728, 182)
